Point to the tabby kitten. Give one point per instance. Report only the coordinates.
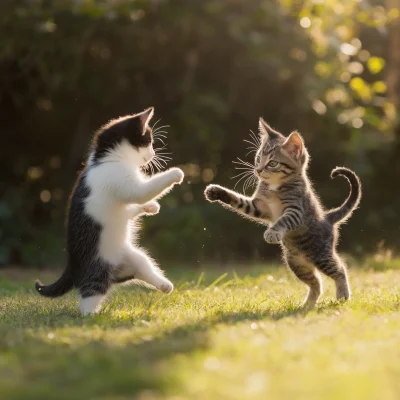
(110, 194)
(285, 200)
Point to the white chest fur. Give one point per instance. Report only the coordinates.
(105, 208)
(275, 207)
(117, 229)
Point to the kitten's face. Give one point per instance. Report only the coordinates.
(128, 137)
(279, 158)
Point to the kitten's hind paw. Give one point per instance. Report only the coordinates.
(308, 305)
(166, 287)
(216, 193)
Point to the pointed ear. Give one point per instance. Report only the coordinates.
(145, 117)
(294, 145)
(266, 130)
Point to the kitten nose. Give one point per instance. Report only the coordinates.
(259, 170)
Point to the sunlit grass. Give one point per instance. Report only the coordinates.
(220, 335)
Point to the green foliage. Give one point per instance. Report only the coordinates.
(343, 35)
(210, 68)
(217, 336)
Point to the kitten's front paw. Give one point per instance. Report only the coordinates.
(216, 193)
(176, 175)
(273, 236)
(151, 208)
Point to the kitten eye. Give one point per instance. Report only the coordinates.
(272, 164)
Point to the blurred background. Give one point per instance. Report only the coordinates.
(210, 68)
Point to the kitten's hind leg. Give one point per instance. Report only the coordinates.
(137, 265)
(91, 304)
(335, 268)
(307, 274)
(94, 287)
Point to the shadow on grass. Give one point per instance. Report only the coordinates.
(55, 353)
(69, 366)
(64, 370)
(59, 354)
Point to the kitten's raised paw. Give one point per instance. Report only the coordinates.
(273, 236)
(216, 193)
(151, 208)
(166, 287)
(177, 175)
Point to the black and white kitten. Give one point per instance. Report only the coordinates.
(109, 195)
(286, 202)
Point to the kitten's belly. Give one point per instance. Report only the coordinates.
(276, 209)
(116, 229)
(113, 239)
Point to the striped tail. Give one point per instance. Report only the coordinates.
(342, 213)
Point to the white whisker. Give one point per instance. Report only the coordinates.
(244, 169)
(244, 163)
(148, 169)
(157, 164)
(160, 130)
(249, 182)
(163, 126)
(159, 139)
(152, 166)
(159, 134)
(250, 151)
(255, 137)
(244, 176)
(166, 158)
(252, 145)
(161, 161)
(155, 124)
(242, 173)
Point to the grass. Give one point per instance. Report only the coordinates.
(239, 335)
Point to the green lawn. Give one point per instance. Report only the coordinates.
(232, 336)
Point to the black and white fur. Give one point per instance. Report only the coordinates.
(285, 200)
(109, 195)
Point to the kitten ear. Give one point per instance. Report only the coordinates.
(145, 118)
(294, 145)
(266, 130)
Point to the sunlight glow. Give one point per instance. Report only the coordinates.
(305, 22)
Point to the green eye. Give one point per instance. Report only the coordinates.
(273, 164)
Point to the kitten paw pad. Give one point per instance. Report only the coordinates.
(216, 193)
(166, 287)
(272, 236)
(151, 208)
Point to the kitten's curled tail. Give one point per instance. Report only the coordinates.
(63, 285)
(344, 212)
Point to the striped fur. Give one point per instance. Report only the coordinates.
(285, 201)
